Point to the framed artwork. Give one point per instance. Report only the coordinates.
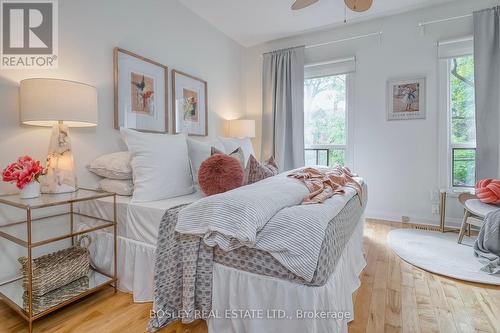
(189, 104)
(141, 88)
(406, 99)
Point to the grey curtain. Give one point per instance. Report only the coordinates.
(283, 107)
(487, 81)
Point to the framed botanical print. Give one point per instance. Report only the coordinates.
(406, 99)
(141, 88)
(189, 104)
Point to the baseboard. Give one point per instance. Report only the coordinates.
(450, 221)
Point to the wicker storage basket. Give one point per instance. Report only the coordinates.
(56, 297)
(56, 269)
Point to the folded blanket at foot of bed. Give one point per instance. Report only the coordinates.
(183, 267)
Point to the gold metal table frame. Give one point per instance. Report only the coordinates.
(45, 201)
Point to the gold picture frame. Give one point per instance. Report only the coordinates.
(154, 117)
(194, 120)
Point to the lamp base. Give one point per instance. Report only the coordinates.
(60, 174)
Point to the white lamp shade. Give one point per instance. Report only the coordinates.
(242, 128)
(44, 102)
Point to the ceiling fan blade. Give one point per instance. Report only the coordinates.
(300, 4)
(358, 5)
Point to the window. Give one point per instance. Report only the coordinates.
(461, 119)
(325, 120)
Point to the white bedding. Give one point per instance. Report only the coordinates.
(136, 221)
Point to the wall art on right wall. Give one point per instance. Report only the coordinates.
(406, 99)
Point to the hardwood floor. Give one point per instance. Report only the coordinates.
(394, 297)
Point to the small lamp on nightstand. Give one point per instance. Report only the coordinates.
(242, 128)
(60, 104)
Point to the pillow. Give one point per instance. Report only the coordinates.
(200, 151)
(120, 187)
(256, 171)
(160, 165)
(237, 154)
(488, 191)
(114, 166)
(231, 144)
(220, 173)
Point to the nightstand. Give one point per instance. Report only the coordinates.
(35, 230)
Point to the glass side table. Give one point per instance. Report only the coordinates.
(22, 232)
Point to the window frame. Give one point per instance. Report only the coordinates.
(446, 148)
(348, 146)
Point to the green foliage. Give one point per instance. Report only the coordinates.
(464, 168)
(463, 128)
(325, 110)
(325, 118)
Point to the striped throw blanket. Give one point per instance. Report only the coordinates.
(268, 216)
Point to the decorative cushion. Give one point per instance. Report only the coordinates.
(488, 191)
(231, 144)
(120, 187)
(220, 173)
(256, 171)
(236, 154)
(114, 166)
(160, 165)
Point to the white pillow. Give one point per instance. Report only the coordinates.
(199, 151)
(120, 187)
(114, 165)
(231, 144)
(160, 165)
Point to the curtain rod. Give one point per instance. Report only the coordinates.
(379, 34)
(335, 61)
(423, 24)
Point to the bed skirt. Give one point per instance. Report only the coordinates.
(135, 263)
(290, 307)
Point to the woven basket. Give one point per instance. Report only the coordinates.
(56, 269)
(58, 296)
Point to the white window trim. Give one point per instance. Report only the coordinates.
(349, 146)
(445, 145)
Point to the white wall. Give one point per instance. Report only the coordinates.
(399, 159)
(162, 30)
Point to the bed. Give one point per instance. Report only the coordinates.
(244, 278)
(137, 234)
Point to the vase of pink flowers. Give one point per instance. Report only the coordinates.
(24, 173)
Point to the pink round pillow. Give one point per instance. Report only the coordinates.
(220, 173)
(488, 191)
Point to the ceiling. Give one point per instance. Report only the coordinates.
(251, 22)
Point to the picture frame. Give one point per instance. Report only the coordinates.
(140, 92)
(189, 104)
(406, 99)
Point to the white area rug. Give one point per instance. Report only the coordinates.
(440, 253)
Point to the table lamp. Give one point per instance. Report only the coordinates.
(242, 128)
(60, 104)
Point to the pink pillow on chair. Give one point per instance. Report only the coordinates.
(488, 191)
(220, 173)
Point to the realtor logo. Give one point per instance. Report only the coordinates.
(29, 34)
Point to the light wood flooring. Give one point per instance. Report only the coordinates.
(394, 297)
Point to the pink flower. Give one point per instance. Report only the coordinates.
(22, 172)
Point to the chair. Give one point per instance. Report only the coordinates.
(475, 212)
